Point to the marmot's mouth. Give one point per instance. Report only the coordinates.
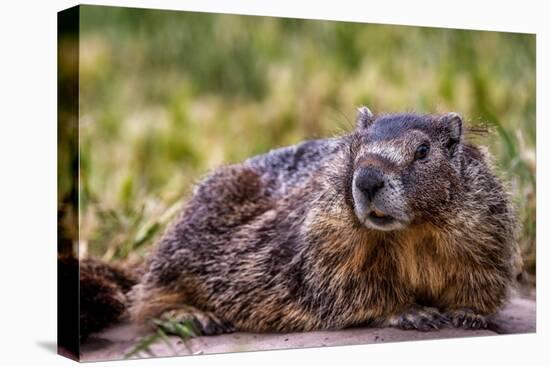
(380, 218)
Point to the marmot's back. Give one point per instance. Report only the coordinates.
(287, 167)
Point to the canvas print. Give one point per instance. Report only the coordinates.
(231, 183)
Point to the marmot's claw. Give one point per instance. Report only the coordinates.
(419, 318)
(467, 319)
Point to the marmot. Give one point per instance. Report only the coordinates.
(398, 223)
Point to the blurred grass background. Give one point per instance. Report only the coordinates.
(167, 96)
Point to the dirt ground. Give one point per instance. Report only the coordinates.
(519, 316)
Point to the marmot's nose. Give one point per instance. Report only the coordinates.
(369, 181)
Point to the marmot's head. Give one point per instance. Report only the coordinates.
(405, 168)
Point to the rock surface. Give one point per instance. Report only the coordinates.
(519, 316)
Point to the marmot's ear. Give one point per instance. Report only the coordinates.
(453, 126)
(365, 117)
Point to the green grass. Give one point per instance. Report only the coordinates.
(167, 96)
(183, 330)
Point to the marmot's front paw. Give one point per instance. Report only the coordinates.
(467, 318)
(418, 317)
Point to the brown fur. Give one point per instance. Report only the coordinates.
(103, 292)
(275, 244)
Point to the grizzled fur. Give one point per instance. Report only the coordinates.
(278, 243)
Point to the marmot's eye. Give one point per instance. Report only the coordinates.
(422, 151)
